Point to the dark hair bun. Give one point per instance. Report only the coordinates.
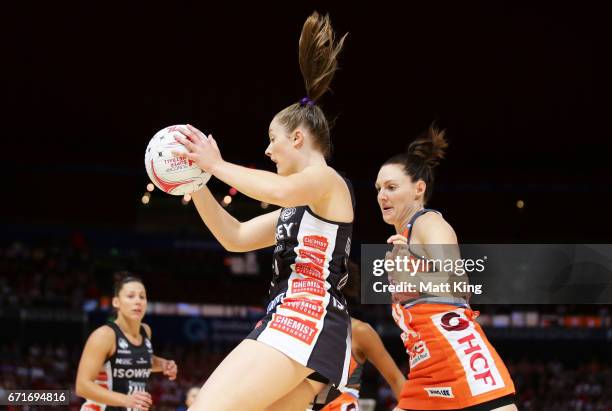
(429, 148)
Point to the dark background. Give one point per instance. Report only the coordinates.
(86, 85)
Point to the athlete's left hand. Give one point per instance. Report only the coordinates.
(170, 369)
(201, 149)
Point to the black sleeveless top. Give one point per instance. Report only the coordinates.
(309, 246)
(127, 370)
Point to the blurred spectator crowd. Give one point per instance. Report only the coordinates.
(541, 386)
(67, 275)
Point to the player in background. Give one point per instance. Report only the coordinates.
(191, 396)
(366, 346)
(118, 357)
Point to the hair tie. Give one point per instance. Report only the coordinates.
(306, 101)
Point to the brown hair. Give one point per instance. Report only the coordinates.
(423, 155)
(318, 52)
(121, 278)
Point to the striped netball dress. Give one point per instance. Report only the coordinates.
(307, 318)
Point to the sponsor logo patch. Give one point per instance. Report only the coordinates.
(316, 241)
(123, 344)
(315, 287)
(442, 392)
(287, 213)
(310, 308)
(299, 329)
(453, 322)
(418, 353)
(131, 373)
(309, 270)
(313, 256)
(123, 361)
(481, 372)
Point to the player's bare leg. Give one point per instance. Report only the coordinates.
(253, 376)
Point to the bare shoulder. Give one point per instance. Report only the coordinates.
(432, 219)
(102, 333)
(432, 227)
(336, 175)
(102, 339)
(323, 172)
(334, 198)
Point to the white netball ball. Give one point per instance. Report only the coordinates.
(173, 175)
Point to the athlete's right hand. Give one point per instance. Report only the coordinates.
(140, 399)
(404, 276)
(397, 239)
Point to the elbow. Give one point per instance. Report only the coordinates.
(227, 246)
(232, 248)
(230, 240)
(81, 386)
(78, 389)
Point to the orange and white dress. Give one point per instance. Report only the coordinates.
(452, 364)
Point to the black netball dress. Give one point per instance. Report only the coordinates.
(307, 318)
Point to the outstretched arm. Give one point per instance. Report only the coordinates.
(303, 188)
